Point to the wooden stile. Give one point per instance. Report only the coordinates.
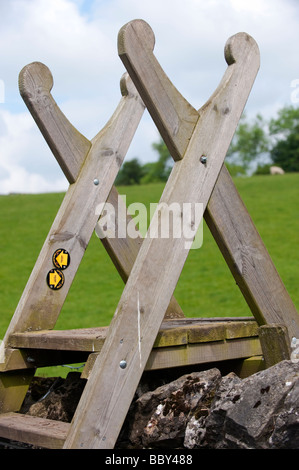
(135, 325)
(148, 330)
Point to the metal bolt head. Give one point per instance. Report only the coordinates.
(203, 159)
(123, 364)
(96, 182)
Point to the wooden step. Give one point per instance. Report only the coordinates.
(33, 430)
(180, 342)
(172, 333)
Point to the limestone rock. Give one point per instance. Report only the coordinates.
(259, 412)
(224, 398)
(196, 411)
(159, 418)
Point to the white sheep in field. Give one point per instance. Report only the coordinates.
(276, 170)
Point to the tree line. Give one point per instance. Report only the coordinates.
(256, 145)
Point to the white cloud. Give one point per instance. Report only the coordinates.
(21, 167)
(77, 40)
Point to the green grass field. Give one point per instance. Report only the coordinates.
(206, 287)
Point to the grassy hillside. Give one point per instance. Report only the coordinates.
(206, 287)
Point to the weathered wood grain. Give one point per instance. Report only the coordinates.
(40, 432)
(275, 344)
(70, 149)
(203, 353)
(194, 354)
(171, 333)
(13, 388)
(110, 389)
(163, 101)
(72, 228)
(39, 306)
(68, 145)
(226, 215)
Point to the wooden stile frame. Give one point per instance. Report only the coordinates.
(150, 286)
(84, 164)
(150, 268)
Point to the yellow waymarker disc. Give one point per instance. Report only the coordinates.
(55, 279)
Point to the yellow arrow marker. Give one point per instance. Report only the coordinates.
(54, 279)
(62, 259)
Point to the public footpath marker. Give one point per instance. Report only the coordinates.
(117, 356)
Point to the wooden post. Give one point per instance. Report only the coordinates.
(275, 343)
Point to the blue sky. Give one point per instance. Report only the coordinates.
(77, 40)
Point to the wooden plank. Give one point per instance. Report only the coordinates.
(275, 344)
(13, 388)
(69, 147)
(163, 101)
(25, 359)
(174, 117)
(226, 214)
(192, 354)
(171, 333)
(159, 262)
(249, 366)
(202, 353)
(33, 430)
(241, 329)
(82, 339)
(15, 359)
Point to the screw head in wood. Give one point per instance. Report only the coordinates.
(203, 159)
(96, 182)
(123, 364)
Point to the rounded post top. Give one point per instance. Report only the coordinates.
(238, 46)
(135, 30)
(33, 77)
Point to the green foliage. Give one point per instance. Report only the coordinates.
(263, 169)
(249, 142)
(235, 170)
(164, 163)
(258, 141)
(286, 123)
(285, 132)
(286, 152)
(255, 142)
(131, 172)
